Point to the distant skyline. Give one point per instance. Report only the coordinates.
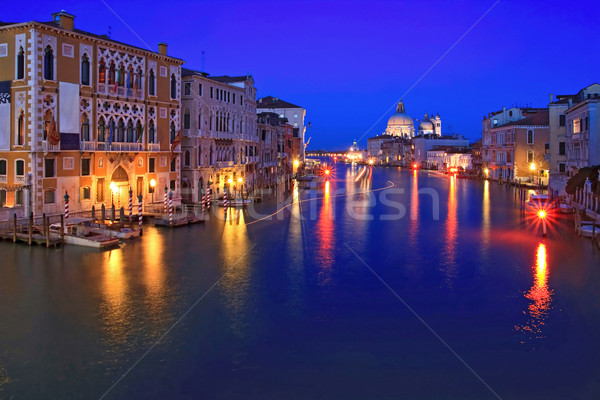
(349, 62)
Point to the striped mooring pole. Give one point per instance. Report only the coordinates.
(208, 191)
(140, 212)
(166, 198)
(171, 208)
(130, 205)
(66, 205)
(225, 201)
(203, 203)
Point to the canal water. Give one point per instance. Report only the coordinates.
(400, 285)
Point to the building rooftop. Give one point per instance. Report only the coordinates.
(230, 79)
(537, 118)
(190, 72)
(274, 102)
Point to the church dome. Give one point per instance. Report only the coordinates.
(400, 118)
(426, 125)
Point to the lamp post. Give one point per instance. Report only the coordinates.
(113, 190)
(152, 185)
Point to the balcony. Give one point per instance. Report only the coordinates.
(153, 146)
(105, 88)
(120, 147)
(47, 146)
(224, 164)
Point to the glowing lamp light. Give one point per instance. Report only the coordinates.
(229, 180)
(113, 187)
(532, 167)
(415, 165)
(371, 162)
(296, 163)
(240, 180)
(327, 172)
(542, 214)
(487, 171)
(152, 182)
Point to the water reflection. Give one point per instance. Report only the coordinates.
(235, 284)
(116, 312)
(414, 211)
(154, 277)
(449, 253)
(539, 295)
(324, 233)
(485, 221)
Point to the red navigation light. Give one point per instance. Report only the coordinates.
(327, 172)
(415, 165)
(542, 214)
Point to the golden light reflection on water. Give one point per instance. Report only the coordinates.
(155, 276)
(235, 284)
(485, 222)
(116, 313)
(539, 295)
(413, 231)
(325, 233)
(449, 253)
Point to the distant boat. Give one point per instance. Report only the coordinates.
(537, 202)
(77, 232)
(113, 230)
(590, 230)
(566, 209)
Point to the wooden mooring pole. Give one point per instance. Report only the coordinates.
(15, 228)
(62, 226)
(30, 231)
(47, 233)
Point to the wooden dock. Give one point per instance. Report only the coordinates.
(36, 239)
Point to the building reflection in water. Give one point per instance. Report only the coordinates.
(235, 284)
(449, 253)
(413, 229)
(485, 221)
(154, 279)
(116, 309)
(540, 297)
(324, 232)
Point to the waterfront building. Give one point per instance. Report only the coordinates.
(401, 124)
(583, 129)
(294, 114)
(219, 141)
(476, 157)
(516, 149)
(422, 144)
(443, 158)
(389, 150)
(270, 128)
(557, 125)
(86, 115)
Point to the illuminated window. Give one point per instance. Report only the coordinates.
(86, 193)
(529, 156)
(100, 190)
(102, 72)
(576, 125)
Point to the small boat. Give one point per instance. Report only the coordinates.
(234, 202)
(116, 230)
(537, 202)
(590, 230)
(77, 231)
(566, 209)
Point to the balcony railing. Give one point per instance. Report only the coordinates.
(153, 146)
(224, 164)
(47, 146)
(105, 88)
(102, 146)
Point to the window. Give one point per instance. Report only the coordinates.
(151, 83)
(49, 197)
(172, 131)
(233, 99)
(151, 132)
(85, 166)
(186, 119)
(102, 72)
(296, 115)
(547, 148)
(188, 157)
(2, 167)
(101, 127)
(21, 129)
(86, 193)
(85, 70)
(561, 120)
(530, 137)
(2, 197)
(85, 128)
(199, 155)
(562, 148)
(120, 131)
(21, 64)
(100, 190)
(562, 167)
(49, 167)
(199, 89)
(49, 63)
(576, 125)
(19, 197)
(495, 122)
(529, 156)
(172, 184)
(173, 165)
(173, 87)
(20, 168)
(510, 113)
(152, 164)
(139, 186)
(130, 137)
(187, 88)
(211, 92)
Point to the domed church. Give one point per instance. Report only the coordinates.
(401, 124)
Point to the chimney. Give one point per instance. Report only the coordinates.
(162, 49)
(570, 103)
(64, 20)
(551, 98)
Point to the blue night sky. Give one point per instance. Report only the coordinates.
(348, 62)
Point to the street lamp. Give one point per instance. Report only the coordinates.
(113, 189)
(152, 185)
(532, 168)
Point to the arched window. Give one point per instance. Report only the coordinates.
(172, 131)
(173, 165)
(102, 72)
(130, 77)
(138, 132)
(85, 70)
(186, 119)
(101, 130)
(130, 138)
(151, 132)
(21, 129)
(200, 119)
(85, 128)
(172, 184)
(173, 87)
(187, 158)
(49, 197)
(529, 156)
(138, 79)
(530, 137)
(121, 75)
(19, 168)
(120, 131)
(21, 63)
(49, 63)
(151, 83)
(111, 74)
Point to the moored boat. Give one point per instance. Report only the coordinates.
(590, 230)
(77, 232)
(537, 202)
